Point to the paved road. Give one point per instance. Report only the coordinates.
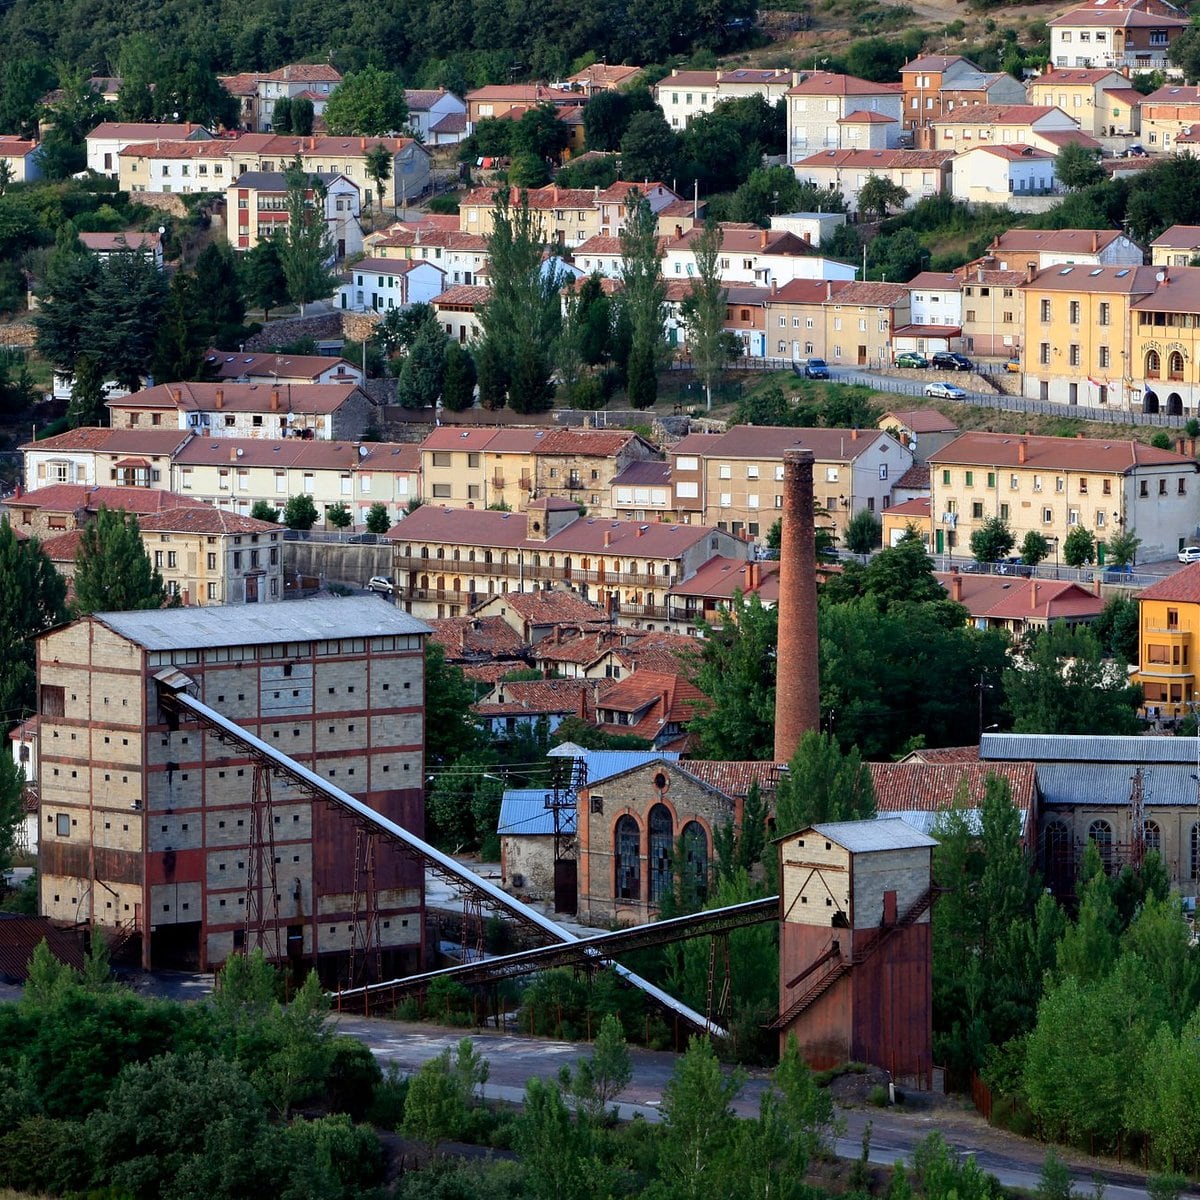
(894, 1133)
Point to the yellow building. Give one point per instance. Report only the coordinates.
(1178, 246)
(1165, 334)
(1168, 643)
(1077, 321)
(1051, 485)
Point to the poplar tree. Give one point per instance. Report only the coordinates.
(643, 299)
(704, 309)
(306, 249)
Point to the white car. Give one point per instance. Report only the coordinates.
(944, 391)
(381, 584)
(1189, 554)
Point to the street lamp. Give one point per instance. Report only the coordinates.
(1055, 541)
(982, 687)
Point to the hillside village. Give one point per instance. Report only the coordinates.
(703, 553)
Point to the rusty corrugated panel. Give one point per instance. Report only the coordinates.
(65, 858)
(20, 936)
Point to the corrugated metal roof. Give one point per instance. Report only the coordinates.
(523, 813)
(926, 821)
(1077, 785)
(21, 935)
(1086, 748)
(257, 624)
(863, 837)
(603, 764)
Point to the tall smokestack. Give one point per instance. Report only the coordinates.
(797, 681)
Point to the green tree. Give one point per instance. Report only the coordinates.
(421, 376)
(699, 1126)
(1116, 628)
(1066, 686)
(1122, 547)
(599, 1079)
(703, 309)
(338, 515)
(32, 595)
(606, 116)
(281, 115)
(88, 403)
(878, 194)
(379, 167)
(992, 540)
(263, 281)
(367, 103)
(123, 332)
(559, 1153)
(540, 132)
(179, 352)
(1077, 167)
(300, 512)
(450, 731)
(521, 320)
(305, 248)
(643, 298)
(302, 116)
(458, 378)
(1034, 549)
(770, 190)
(12, 789)
(113, 572)
(864, 532)
(823, 784)
(378, 520)
(526, 170)
(464, 802)
(1079, 547)
(1184, 53)
(264, 510)
(219, 293)
(441, 1094)
(649, 147)
(737, 670)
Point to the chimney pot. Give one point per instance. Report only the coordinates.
(1095, 242)
(956, 587)
(1096, 583)
(1022, 450)
(274, 399)
(854, 435)
(608, 537)
(1033, 595)
(220, 398)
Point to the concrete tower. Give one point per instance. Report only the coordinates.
(797, 683)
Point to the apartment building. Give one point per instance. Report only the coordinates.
(921, 173)
(449, 560)
(935, 84)
(234, 473)
(1134, 34)
(683, 95)
(258, 91)
(63, 507)
(136, 458)
(1165, 339)
(147, 824)
(796, 318)
(499, 99)
(1166, 113)
(642, 491)
(1169, 650)
(993, 313)
(568, 216)
(734, 480)
(819, 103)
(21, 157)
(1081, 93)
(482, 468)
(753, 256)
(244, 410)
(1020, 249)
(175, 166)
(241, 366)
(256, 207)
(461, 256)
(105, 142)
(1178, 246)
(1077, 323)
(377, 284)
(1041, 126)
(1051, 485)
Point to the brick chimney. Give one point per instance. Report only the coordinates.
(219, 400)
(608, 537)
(1096, 583)
(1022, 450)
(1030, 272)
(1095, 242)
(956, 587)
(1033, 596)
(274, 399)
(797, 685)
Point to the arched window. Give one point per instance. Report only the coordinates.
(471, 556)
(441, 552)
(628, 841)
(1056, 854)
(1152, 837)
(1153, 364)
(695, 861)
(1101, 833)
(660, 852)
(1175, 365)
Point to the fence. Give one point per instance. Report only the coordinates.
(1113, 576)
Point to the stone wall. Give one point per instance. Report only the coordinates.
(337, 562)
(17, 333)
(163, 201)
(319, 327)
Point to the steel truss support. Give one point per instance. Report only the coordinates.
(718, 963)
(262, 884)
(366, 951)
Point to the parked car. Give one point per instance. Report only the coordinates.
(1013, 366)
(816, 368)
(944, 360)
(910, 358)
(1014, 565)
(945, 391)
(1189, 554)
(381, 584)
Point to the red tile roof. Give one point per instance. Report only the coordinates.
(205, 520)
(660, 699)
(1111, 455)
(544, 697)
(734, 779)
(1183, 586)
(63, 547)
(828, 83)
(142, 131)
(241, 397)
(71, 497)
(463, 296)
(996, 114)
(464, 638)
(925, 787)
(770, 441)
(130, 239)
(720, 577)
(113, 441)
(396, 457)
(917, 508)
(548, 608)
(919, 420)
(882, 160)
(232, 364)
(588, 443)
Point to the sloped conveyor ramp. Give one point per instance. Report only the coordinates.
(173, 699)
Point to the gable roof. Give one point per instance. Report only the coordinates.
(1183, 586)
(205, 519)
(111, 441)
(830, 83)
(1179, 237)
(1055, 241)
(921, 786)
(465, 638)
(525, 813)
(997, 114)
(314, 453)
(233, 364)
(1116, 456)
(71, 497)
(919, 420)
(871, 836)
(241, 397)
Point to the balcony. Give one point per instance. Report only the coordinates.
(496, 483)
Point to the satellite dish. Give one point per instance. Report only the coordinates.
(1161, 276)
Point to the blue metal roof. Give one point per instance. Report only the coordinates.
(523, 812)
(1106, 785)
(603, 764)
